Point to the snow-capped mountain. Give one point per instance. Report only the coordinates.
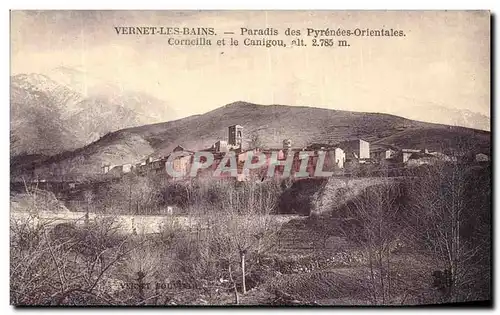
(49, 116)
(448, 116)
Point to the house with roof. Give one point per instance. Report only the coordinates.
(443, 157)
(180, 162)
(333, 160)
(406, 153)
(119, 170)
(421, 158)
(357, 149)
(382, 152)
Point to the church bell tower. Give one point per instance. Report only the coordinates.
(235, 136)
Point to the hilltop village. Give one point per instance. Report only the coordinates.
(343, 159)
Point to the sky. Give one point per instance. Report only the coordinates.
(444, 59)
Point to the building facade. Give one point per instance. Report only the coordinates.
(235, 139)
(358, 149)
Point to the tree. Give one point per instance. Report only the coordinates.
(255, 141)
(134, 194)
(377, 230)
(65, 264)
(451, 220)
(244, 225)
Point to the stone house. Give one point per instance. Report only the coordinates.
(182, 161)
(333, 162)
(406, 153)
(382, 153)
(220, 146)
(119, 170)
(421, 158)
(358, 149)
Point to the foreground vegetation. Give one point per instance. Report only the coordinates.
(424, 239)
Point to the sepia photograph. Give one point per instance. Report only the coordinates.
(250, 158)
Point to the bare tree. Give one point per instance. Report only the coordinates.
(255, 141)
(134, 195)
(244, 224)
(65, 264)
(376, 212)
(442, 204)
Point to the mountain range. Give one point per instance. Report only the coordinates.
(68, 110)
(271, 124)
(66, 120)
(448, 116)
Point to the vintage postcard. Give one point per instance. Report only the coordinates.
(320, 158)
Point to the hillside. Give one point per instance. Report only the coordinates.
(50, 116)
(272, 123)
